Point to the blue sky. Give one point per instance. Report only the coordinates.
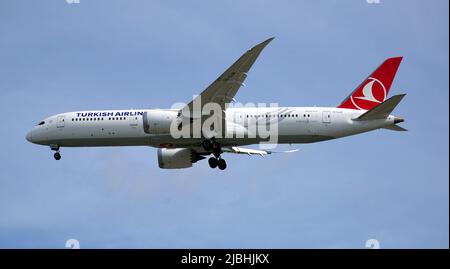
(104, 54)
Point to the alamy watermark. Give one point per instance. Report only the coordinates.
(72, 244)
(373, 244)
(258, 122)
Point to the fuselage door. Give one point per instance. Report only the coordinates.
(326, 117)
(60, 121)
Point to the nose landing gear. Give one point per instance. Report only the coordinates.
(57, 155)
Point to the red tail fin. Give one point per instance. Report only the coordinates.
(375, 88)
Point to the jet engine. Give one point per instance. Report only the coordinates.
(158, 121)
(177, 158)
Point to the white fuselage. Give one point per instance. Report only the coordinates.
(126, 127)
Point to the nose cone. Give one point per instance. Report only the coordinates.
(29, 137)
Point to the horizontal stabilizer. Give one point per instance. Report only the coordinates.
(395, 128)
(382, 110)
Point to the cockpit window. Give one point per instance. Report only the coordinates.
(41, 123)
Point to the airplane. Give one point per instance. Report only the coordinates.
(230, 127)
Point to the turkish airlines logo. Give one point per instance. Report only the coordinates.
(369, 95)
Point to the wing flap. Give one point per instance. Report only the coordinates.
(247, 151)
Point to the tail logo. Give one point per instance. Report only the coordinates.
(371, 94)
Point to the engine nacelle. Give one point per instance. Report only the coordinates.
(158, 121)
(177, 158)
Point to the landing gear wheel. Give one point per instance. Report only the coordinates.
(206, 144)
(57, 156)
(221, 164)
(212, 162)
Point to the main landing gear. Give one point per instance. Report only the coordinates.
(215, 162)
(214, 146)
(57, 155)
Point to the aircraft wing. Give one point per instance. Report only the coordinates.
(225, 87)
(253, 151)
